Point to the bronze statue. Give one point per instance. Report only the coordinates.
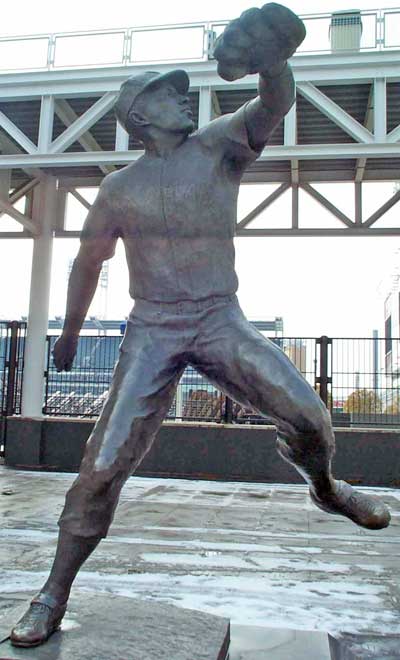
(175, 210)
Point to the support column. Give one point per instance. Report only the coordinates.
(121, 138)
(44, 210)
(358, 202)
(380, 128)
(205, 106)
(5, 184)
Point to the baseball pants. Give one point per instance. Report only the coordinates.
(161, 339)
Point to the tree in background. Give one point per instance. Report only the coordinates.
(363, 401)
(394, 406)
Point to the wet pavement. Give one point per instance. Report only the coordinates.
(261, 555)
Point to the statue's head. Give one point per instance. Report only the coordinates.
(155, 101)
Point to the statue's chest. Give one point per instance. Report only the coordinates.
(182, 194)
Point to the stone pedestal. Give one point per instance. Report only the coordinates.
(101, 627)
(256, 643)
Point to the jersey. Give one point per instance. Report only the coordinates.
(177, 215)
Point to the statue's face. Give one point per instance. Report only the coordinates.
(165, 108)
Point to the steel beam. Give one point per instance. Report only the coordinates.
(321, 199)
(368, 123)
(334, 112)
(205, 106)
(83, 123)
(23, 220)
(35, 344)
(356, 230)
(8, 145)
(46, 123)
(327, 68)
(9, 127)
(80, 198)
(121, 138)
(380, 110)
(295, 206)
(5, 180)
(382, 210)
(68, 116)
(290, 139)
(271, 153)
(358, 202)
(216, 108)
(262, 206)
(394, 135)
(20, 192)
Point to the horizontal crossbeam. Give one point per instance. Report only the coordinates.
(271, 153)
(356, 230)
(324, 68)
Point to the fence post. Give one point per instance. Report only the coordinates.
(12, 368)
(323, 379)
(228, 417)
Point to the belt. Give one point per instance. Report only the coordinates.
(185, 306)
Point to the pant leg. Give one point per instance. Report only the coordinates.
(256, 373)
(141, 393)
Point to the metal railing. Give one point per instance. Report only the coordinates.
(12, 344)
(377, 29)
(357, 378)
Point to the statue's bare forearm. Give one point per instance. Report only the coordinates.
(81, 289)
(276, 97)
(277, 91)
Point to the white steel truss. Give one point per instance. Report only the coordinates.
(367, 140)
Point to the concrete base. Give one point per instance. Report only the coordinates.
(366, 647)
(368, 457)
(98, 627)
(256, 643)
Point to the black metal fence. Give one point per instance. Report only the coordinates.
(12, 343)
(357, 378)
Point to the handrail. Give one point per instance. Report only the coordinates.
(371, 29)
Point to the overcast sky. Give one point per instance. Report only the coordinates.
(50, 16)
(319, 286)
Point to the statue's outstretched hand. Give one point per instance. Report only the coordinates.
(64, 352)
(260, 40)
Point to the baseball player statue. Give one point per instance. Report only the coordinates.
(175, 210)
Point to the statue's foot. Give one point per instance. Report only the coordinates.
(365, 510)
(41, 619)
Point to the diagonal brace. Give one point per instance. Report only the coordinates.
(8, 208)
(334, 112)
(80, 198)
(83, 123)
(263, 205)
(21, 192)
(327, 204)
(13, 131)
(68, 116)
(382, 210)
(394, 135)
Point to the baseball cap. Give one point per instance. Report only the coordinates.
(135, 85)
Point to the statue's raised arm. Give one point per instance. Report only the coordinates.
(261, 41)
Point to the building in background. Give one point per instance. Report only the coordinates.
(390, 290)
